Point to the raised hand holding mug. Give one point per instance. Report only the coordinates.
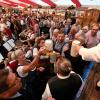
(74, 51)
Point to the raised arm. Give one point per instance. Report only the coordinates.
(91, 54)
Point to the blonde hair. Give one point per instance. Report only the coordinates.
(15, 54)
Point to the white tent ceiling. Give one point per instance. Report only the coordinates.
(24, 3)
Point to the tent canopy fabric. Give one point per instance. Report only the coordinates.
(24, 3)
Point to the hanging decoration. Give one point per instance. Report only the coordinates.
(77, 3)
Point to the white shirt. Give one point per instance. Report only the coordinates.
(29, 54)
(22, 22)
(91, 54)
(8, 23)
(20, 71)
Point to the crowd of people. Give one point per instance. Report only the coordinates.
(26, 71)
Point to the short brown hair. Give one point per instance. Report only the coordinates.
(63, 66)
(94, 24)
(38, 40)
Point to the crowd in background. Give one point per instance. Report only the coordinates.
(26, 72)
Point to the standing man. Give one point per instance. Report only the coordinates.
(65, 84)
